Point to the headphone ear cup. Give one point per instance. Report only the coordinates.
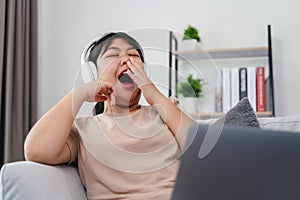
(89, 72)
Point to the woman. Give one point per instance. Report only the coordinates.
(127, 152)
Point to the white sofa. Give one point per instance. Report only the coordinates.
(27, 180)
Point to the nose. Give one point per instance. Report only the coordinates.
(124, 60)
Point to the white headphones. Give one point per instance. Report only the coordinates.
(89, 70)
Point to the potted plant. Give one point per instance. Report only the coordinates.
(191, 91)
(190, 38)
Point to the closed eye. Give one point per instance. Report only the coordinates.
(112, 55)
(134, 55)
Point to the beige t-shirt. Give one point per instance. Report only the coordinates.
(133, 157)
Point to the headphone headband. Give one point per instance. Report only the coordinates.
(85, 53)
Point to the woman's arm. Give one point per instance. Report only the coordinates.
(47, 140)
(174, 117)
(177, 121)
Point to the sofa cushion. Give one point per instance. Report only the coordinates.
(242, 114)
(28, 180)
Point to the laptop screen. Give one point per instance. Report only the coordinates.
(244, 163)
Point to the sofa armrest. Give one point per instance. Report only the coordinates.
(286, 123)
(29, 180)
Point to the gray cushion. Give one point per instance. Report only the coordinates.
(241, 114)
(28, 180)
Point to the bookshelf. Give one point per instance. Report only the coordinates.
(261, 51)
(176, 56)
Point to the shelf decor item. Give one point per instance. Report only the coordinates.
(190, 38)
(191, 91)
(191, 87)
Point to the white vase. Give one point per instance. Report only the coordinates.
(189, 104)
(190, 44)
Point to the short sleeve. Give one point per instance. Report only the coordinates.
(73, 144)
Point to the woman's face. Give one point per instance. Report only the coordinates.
(112, 64)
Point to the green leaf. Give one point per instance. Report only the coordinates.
(190, 88)
(191, 33)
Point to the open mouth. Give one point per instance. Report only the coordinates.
(124, 78)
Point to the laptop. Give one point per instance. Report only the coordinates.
(244, 163)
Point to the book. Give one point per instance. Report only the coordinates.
(267, 94)
(218, 99)
(218, 90)
(251, 86)
(226, 89)
(235, 96)
(243, 82)
(260, 89)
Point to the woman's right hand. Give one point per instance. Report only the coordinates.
(104, 88)
(99, 91)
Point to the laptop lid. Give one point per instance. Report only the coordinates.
(245, 163)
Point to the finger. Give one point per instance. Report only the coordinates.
(100, 98)
(131, 70)
(136, 61)
(109, 90)
(104, 91)
(105, 88)
(129, 63)
(131, 67)
(109, 100)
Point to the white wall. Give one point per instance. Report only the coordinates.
(65, 26)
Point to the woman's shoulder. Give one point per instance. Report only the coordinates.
(90, 118)
(87, 120)
(83, 119)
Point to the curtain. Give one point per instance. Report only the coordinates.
(18, 75)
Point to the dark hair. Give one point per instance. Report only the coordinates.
(100, 47)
